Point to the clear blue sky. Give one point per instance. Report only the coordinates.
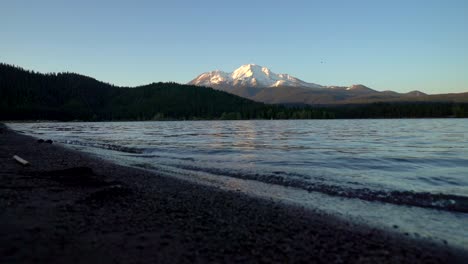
(397, 45)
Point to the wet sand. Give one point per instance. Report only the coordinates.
(70, 207)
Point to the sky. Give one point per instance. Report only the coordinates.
(386, 45)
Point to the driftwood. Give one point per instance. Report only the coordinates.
(21, 161)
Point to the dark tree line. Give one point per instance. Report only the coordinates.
(402, 110)
(26, 95)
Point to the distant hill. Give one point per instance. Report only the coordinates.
(262, 85)
(249, 75)
(27, 95)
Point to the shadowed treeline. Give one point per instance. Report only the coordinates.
(27, 95)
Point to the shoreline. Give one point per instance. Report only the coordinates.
(215, 120)
(70, 207)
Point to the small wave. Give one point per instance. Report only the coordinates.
(439, 201)
(444, 162)
(141, 156)
(106, 146)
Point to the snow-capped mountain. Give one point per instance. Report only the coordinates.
(249, 75)
(260, 84)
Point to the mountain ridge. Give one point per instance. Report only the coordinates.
(252, 75)
(29, 95)
(260, 84)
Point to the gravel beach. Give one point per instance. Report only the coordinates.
(70, 207)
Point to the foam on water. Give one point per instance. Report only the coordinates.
(409, 173)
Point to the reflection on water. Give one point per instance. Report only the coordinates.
(420, 163)
(424, 155)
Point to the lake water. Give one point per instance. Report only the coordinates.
(410, 173)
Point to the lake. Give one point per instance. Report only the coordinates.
(407, 175)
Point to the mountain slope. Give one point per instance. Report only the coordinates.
(262, 85)
(26, 95)
(66, 96)
(249, 75)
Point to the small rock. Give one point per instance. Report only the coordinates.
(49, 141)
(40, 141)
(10, 251)
(76, 176)
(108, 193)
(34, 229)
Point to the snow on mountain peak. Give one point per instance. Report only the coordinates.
(249, 75)
(359, 87)
(249, 70)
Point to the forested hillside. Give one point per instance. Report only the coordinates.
(27, 95)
